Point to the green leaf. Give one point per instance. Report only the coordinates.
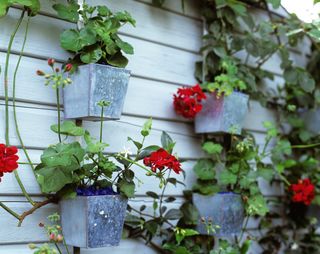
(167, 142)
(173, 214)
(67, 12)
(146, 128)
(180, 235)
(152, 194)
(145, 152)
(118, 60)
(206, 187)
(68, 128)
(65, 155)
(212, 148)
(125, 17)
(4, 5)
(306, 82)
(257, 205)
(103, 10)
(227, 178)
(91, 55)
(275, 3)
(127, 188)
(205, 169)
(136, 143)
(53, 179)
(126, 47)
(74, 40)
(190, 214)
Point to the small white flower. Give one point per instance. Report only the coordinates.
(126, 151)
(101, 212)
(95, 224)
(294, 246)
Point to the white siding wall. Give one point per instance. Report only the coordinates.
(166, 43)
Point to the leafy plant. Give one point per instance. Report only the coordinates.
(226, 82)
(32, 6)
(97, 41)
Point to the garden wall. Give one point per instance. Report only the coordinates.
(166, 43)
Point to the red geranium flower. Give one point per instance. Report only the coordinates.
(8, 159)
(303, 191)
(187, 101)
(161, 159)
(68, 67)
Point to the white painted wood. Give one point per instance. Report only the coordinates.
(166, 41)
(153, 24)
(158, 61)
(191, 8)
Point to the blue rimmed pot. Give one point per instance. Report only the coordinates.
(224, 210)
(92, 83)
(93, 221)
(224, 114)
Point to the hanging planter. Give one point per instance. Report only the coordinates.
(224, 210)
(93, 221)
(224, 114)
(91, 84)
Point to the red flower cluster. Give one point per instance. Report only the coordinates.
(303, 191)
(161, 159)
(187, 101)
(8, 159)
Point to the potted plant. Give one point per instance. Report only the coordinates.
(98, 62)
(93, 185)
(222, 109)
(227, 189)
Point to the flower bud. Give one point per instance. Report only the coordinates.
(68, 67)
(40, 73)
(57, 70)
(51, 61)
(41, 225)
(32, 246)
(52, 236)
(59, 238)
(69, 80)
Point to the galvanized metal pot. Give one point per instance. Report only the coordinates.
(92, 83)
(225, 210)
(311, 120)
(93, 221)
(222, 115)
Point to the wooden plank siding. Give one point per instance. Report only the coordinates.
(166, 42)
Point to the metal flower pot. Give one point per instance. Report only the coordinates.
(93, 221)
(91, 84)
(225, 210)
(311, 120)
(222, 115)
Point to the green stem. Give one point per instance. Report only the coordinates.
(101, 124)
(65, 245)
(23, 189)
(135, 163)
(57, 247)
(162, 194)
(14, 97)
(244, 228)
(6, 70)
(306, 146)
(59, 113)
(9, 211)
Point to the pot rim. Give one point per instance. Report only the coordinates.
(107, 66)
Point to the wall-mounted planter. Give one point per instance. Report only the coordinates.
(93, 221)
(311, 120)
(222, 115)
(92, 83)
(226, 210)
